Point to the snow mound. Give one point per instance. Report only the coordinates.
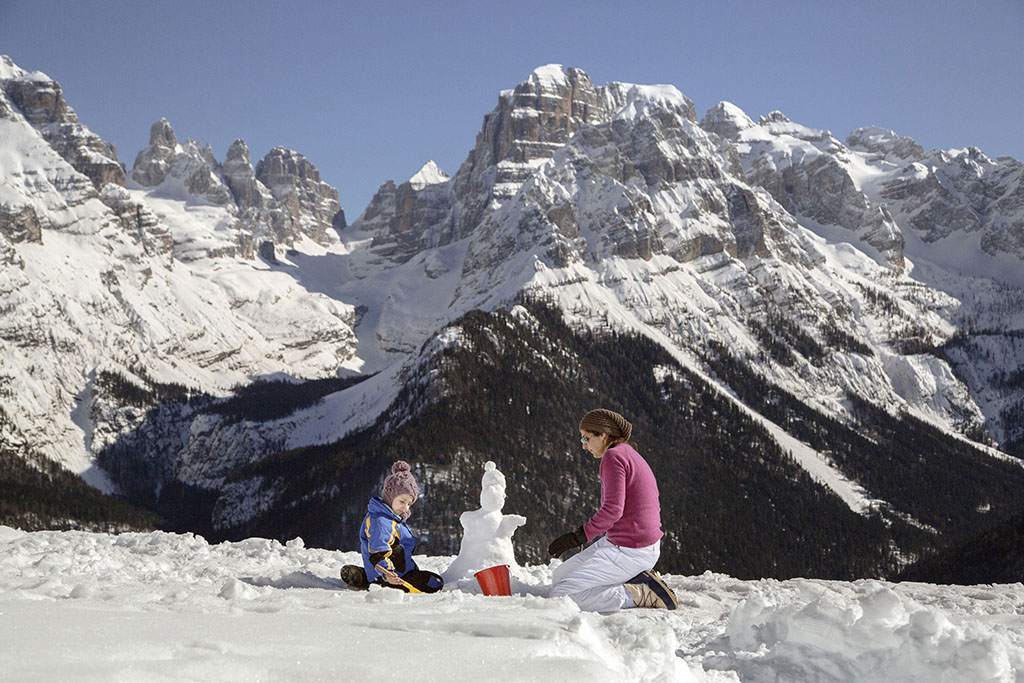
(869, 633)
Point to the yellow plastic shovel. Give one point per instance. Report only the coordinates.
(412, 588)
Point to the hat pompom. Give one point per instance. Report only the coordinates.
(400, 466)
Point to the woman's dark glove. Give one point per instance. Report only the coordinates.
(573, 539)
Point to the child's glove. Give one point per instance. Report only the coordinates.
(573, 539)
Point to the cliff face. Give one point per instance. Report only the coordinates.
(41, 101)
(304, 205)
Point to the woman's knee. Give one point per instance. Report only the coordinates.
(561, 588)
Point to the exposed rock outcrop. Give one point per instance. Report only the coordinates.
(885, 142)
(40, 100)
(153, 163)
(305, 205)
(528, 125)
(806, 171)
(21, 225)
(962, 192)
(190, 167)
(405, 219)
(276, 203)
(726, 120)
(139, 222)
(249, 193)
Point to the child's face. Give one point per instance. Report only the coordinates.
(402, 503)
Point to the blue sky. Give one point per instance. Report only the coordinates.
(371, 91)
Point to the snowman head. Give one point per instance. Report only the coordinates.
(492, 493)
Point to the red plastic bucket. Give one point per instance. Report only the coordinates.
(494, 580)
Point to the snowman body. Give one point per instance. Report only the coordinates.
(487, 532)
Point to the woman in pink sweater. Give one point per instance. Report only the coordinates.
(616, 572)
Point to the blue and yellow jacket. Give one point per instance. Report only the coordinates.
(385, 539)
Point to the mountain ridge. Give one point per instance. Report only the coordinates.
(823, 265)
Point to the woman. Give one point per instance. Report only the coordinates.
(615, 572)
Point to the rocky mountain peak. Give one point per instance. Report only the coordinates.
(153, 163)
(306, 205)
(628, 100)
(8, 69)
(805, 170)
(549, 138)
(274, 203)
(39, 97)
(40, 100)
(726, 120)
(544, 111)
(775, 116)
(241, 178)
(876, 140)
(968, 158)
(238, 152)
(537, 116)
(405, 219)
(188, 168)
(529, 123)
(429, 174)
(161, 134)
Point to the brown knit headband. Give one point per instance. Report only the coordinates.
(603, 421)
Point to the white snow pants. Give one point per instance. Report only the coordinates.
(593, 578)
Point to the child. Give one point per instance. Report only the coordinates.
(386, 541)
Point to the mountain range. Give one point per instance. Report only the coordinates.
(819, 341)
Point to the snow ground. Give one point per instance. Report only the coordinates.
(166, 607)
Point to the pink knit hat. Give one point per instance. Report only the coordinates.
(400, 481)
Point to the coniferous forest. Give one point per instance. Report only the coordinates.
(36, 493)
(993, 556)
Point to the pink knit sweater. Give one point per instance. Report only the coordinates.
(630, 512)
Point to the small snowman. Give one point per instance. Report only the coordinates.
(487, 533)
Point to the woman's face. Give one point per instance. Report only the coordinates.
(595, 444)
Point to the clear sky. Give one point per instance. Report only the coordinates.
(370, 91)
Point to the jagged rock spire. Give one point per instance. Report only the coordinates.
(154, 162)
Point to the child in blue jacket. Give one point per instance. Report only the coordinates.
(387, 543)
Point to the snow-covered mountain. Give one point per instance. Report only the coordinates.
(839, 273)
(155, 282)
(617, 202)
(950, 220)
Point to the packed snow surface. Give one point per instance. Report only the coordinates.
(166, 607)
